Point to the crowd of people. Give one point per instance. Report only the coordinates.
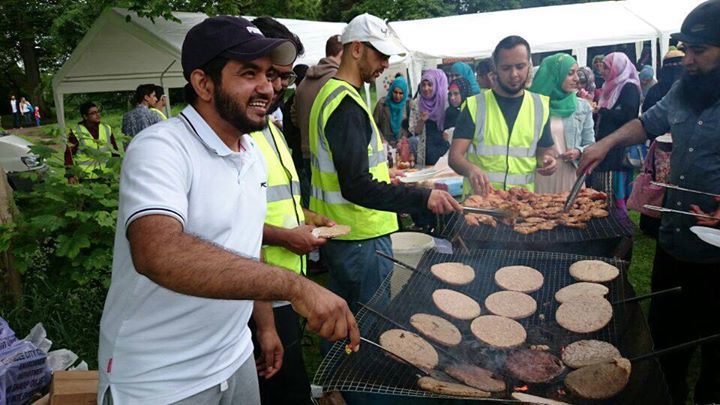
(24, 113)
(208, 289)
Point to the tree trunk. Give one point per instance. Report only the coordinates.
(10, 284)
(32, 71)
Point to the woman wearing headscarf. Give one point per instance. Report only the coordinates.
(571, 123)
(647, 80)
(597, 68)
(428, 117)
(462, 69)
(458, 92)
(392, 110)
(586, 84)
(618, 104)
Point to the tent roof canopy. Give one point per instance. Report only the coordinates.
(118, 55)
(547, 29)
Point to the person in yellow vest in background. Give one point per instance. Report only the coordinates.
(502, 135)
(90, 145)
(159, 106)
(287, 239)
(350, 177)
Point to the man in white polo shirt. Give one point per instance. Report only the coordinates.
(192, 207)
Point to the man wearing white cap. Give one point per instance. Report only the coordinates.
(350, 175)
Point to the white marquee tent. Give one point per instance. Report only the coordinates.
(575, 27)
(116, 55)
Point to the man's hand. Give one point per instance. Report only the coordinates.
(479, 181)
(440, 202)
(706, 221)
(327, 314)
(300, 240)
(395, 175)
(569, 156)
(315, 219)
(591, 157)
(549, 165)
(271, 352)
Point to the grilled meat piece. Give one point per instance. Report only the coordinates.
(534, 366)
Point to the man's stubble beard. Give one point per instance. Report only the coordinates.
(231, 111)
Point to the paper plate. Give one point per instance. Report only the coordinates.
(420, 175)
(708, 235)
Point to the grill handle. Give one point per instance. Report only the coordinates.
(671, 349)
(652, 294)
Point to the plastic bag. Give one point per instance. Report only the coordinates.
(23, 370)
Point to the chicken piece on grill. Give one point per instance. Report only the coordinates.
(480, 219)
(534, 220)
(546, 225)
(599, 213)
(525, 230)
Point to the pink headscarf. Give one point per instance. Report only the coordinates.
(622, 72)
(436, 104)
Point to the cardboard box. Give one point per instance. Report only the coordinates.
(74, 388)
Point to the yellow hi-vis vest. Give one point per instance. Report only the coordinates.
(507, 159)
(158, 112)
(93, 153)
(283, 195)
(326, 198)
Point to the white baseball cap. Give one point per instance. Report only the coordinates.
(368, 28)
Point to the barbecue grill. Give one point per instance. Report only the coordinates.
(372, 371)
(604, 233)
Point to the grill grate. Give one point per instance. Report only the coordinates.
(613, 226)
(370, 370)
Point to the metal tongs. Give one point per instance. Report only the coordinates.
(674, 187)
(574, 192)
(663, 209)
(493, 212)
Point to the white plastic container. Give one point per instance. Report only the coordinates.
(408, 247)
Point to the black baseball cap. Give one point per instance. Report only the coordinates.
(233, 38)
(701, 26)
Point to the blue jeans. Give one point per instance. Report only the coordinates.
(356, 271)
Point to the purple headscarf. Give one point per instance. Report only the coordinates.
(436, 104)
(622, 72)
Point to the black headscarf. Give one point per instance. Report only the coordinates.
(452, 113)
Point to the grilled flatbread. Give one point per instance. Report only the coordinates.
(594, 271)
(476, 377)
(498, 331)
(582, 289)
(511, 304)
(456, 304)
(584, 315)
(410, 347)
(448, 388)
(519, 278)
(453, 273)
(599, 381)
(532, 399)
(329, 232)
(436, 329)
(588, 352)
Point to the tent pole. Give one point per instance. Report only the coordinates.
(166, 89)
(60, 110)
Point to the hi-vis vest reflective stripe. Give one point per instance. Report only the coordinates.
(326, 198)
(283, 195)
(101, 152)
(158, 112)
(508, 159)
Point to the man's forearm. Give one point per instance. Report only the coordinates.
(189, 265)
(263, 315)
(632, 133)
(457, 160)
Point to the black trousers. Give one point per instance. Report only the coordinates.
(680, 318)
(291, 384)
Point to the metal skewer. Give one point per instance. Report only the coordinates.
(396, 261)
(674, 187)
(674, 348)
(662, 209)
(652, 294)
